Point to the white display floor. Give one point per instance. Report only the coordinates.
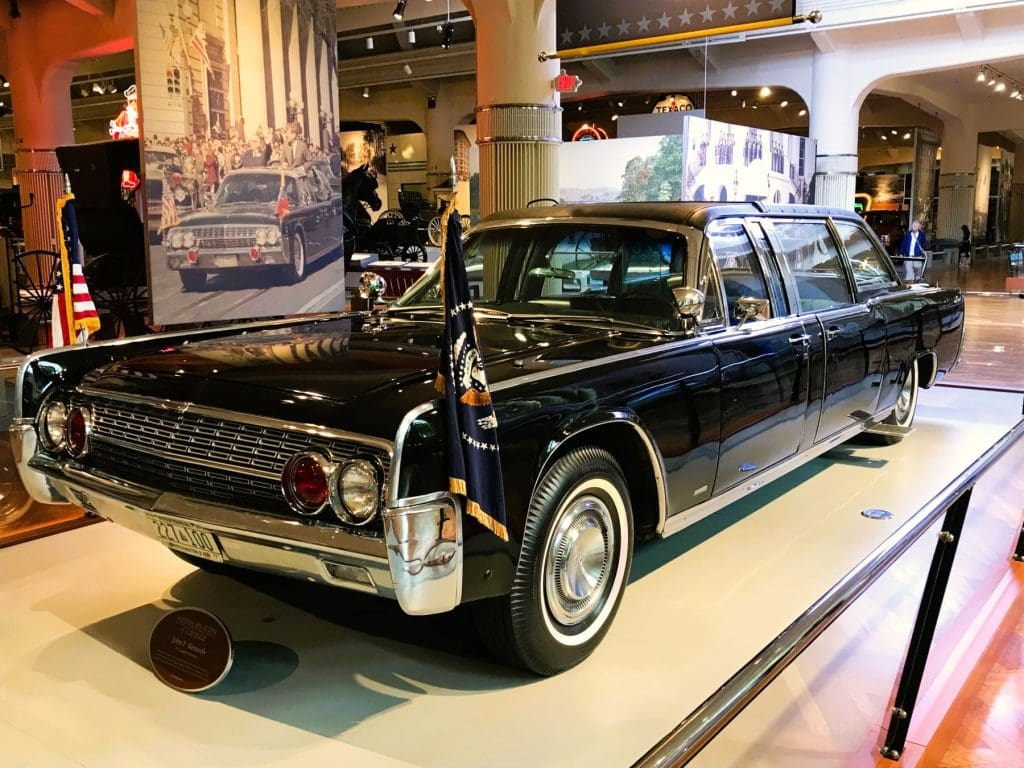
(323, 678)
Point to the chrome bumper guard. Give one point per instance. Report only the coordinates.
(419, 563)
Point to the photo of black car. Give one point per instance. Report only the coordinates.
(275, 220)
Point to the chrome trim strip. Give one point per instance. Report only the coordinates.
(244, 418)
(657, 465)
(690, 736)
(396, 457)
(185, 459)
(688, 517)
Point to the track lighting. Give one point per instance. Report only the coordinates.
(765, 92)
(412, 37)
(407, 69)
(733, 92)
(447, 33)
(783, 103)
(4, 81)
(981, 76)
(366, 92)
(369, 43)
(399, 10)
(802, 113)
(1000, 86)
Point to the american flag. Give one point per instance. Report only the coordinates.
(198, 42)
(74, 315)
(168, 210)
(172, 43)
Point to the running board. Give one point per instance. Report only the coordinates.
(889, 430)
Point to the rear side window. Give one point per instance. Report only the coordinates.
(814, 261)
(870, 268)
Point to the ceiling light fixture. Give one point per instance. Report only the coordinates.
(802, 113)
(884, 137)
(765, 92)
(982, 77)
(1000, 86)
(614, 118)
(369, 43)
(366, 92)
(447, 33)
(406, 68)
(906, 135)
(400, 10)
(783, 103)
(412, 37)
(4, 81)
(733, 92)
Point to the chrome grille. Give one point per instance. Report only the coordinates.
(226, 236)
(177, 451)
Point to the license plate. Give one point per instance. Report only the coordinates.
(225, 261)
(187, 538)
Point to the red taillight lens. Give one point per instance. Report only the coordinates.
(305, 482)
(193, 256)
(77, 432)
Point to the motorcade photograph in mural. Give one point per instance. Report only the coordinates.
(241, 161)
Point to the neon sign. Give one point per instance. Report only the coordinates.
(587, 132)
(126, 124)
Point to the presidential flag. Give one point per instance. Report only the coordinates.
(474, 464)
(74, 315)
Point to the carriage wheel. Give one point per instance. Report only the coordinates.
(384, 252)
(434, 231)
(120, 295)
(414, 253)
(392, 216)
(36, 275)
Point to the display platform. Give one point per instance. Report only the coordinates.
(321, 676)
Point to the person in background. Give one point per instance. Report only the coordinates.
(966, 246)
(913, 246)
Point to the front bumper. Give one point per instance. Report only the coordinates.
(226, 258)
(419, 562)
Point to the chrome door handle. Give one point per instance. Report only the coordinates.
(802, 339)
(833, 333)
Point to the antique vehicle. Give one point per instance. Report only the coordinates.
(268, 219)
(163, 168)
(650, 364)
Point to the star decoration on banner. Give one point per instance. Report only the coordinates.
(707, 13)
(585, 33)
(393, 150)
(684, 18)
(753, 7)
(644, 23)
(566, 37)
(777, 4)
(729, 11)
(603, 29)
(624, 27)
(663, 21)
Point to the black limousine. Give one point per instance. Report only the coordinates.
(649, 364)
(274, 220)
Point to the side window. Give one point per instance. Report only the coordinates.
(775, 282)
(738, 265)
(871, 269)
(707, 283)
(814, 260)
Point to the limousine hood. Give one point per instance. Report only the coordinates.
(336, 373)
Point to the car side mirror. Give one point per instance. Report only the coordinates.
(749, 308)
(689, 304)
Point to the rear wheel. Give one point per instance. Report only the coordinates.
(906, 406)
(434, 231)
(573, 566)
(192, 281)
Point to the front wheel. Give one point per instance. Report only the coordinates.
(906, 406)
(296, 270)
(573, 567)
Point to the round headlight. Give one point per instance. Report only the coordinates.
(261, 236)
(176, 238)
(355, 494)
(51, 425)
(188, 238)
(305, 482)
(77, 431)
(273, 235)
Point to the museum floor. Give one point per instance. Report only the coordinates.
(343, 679)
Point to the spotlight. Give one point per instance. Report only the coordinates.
(83, 91)
(4, 81)
(783, 103)
(765, 92)
(1000, 86)
(893, 131)
(884, 137)
(369, 43)
(412, 37)
(579, 107)
(733, 92)
(614, 117)
(407, 69)
(906, 135)
(803, 113)
(366, 92)
(619, 103)
(447, 33)
(992, 80)
(981, 76)
(97, 88)
(399, 10)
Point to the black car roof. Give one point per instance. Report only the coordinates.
(692, 213)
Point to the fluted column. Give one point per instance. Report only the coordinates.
(519, 120)
(957, 177)
(835, 115)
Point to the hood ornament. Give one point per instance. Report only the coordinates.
(371, 289)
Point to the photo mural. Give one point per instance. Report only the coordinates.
(710, 160)
(242, 169)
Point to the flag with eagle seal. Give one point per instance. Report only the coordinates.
(474, 465)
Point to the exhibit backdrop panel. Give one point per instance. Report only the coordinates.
(710, 160)
(239, 103)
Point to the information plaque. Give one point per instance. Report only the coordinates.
(190, 650)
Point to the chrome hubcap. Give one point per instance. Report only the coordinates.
(577, 572)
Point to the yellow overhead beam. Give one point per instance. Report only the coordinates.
(647, 42)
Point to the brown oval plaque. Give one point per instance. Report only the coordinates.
(190, 650)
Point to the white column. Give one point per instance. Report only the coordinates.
(981, 190)
(834, 119)
(957, 177)
(519, 120)
(249, 25)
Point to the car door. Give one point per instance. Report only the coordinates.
(763, 360)
(854, 331)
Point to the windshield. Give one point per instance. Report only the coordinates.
(256, 188)
(586, 271)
